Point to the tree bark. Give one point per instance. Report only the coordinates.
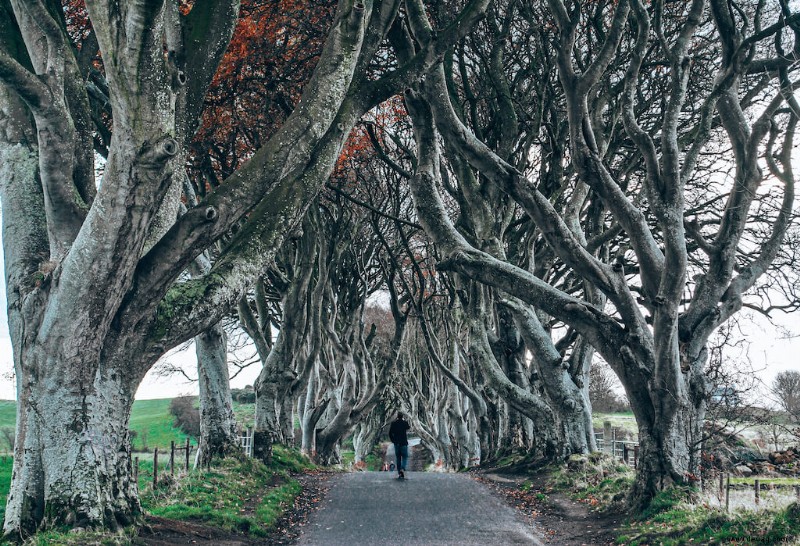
(71, 444)
(218, 427)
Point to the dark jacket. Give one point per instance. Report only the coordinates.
(397, 432)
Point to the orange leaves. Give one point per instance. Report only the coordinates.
(357, 148)
(271, 56)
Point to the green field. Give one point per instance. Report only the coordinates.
(5, 482)
(152, 424)
(625, 421)
(150, 421)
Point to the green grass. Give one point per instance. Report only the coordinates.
(598, 480)
(671, 522)
(6, 464)
(625, 421)
(245, 414)
(239, 495)
(93, 538)
(150, 420)
(372, 460)
(153, 425)
(8, 415)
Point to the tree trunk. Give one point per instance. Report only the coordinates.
(670, 438)
(270, 387)
(73, 451)
(666, 458)
(365, 437)
(218, 428)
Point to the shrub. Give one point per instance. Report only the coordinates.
(244, 396)
(187, 416)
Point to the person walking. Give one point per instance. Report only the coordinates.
(399, 437)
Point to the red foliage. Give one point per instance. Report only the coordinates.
(273, 52)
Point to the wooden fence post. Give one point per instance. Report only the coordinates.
(155, 468)
(728, 493)
(188, 449)
(608, 442)
(136, 471)
(757, 489)
(172, 457)
(635, 456)
(721, 484)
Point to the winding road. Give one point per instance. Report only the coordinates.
(365, 508)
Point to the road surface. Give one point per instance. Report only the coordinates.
(365, 508)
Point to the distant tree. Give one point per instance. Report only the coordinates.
(187, 415)
(603, 387)
(786, 389)
(244, 396)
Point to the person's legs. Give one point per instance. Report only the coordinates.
(398, 454)
(404, 457)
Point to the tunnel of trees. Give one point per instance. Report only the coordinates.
(454, 208)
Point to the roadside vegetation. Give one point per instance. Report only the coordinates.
(6, 464)
(239, 495)
(677, 516)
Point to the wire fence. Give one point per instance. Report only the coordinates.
(722, 490)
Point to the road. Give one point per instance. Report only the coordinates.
(365, 508)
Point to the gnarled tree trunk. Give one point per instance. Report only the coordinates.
(218, 427)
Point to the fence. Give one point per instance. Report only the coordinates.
(187, 449)
(246, 442)
(625, 450)
(718, 490)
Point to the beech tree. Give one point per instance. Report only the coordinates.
(653, 320)
(94, 271)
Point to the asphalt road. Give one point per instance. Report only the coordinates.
(365, 508)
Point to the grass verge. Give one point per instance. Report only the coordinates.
(238, 495)
(673, 520)
(597, 480)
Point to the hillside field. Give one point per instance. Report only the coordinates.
(150, 421)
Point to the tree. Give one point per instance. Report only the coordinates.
(602, 390)
(786, 389)
(653, 320)
(94, 273)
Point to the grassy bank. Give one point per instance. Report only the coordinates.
(238, 495)
(241, 496)
(677, 516)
